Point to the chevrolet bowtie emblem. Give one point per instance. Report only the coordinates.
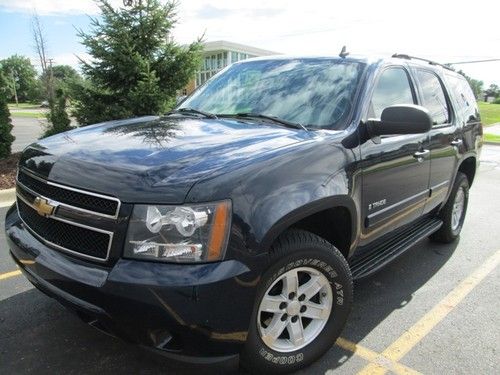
(43, 207)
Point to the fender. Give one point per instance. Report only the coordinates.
(465, 156)
(309, 209)
(271, 194)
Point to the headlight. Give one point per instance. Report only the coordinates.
(194, 233)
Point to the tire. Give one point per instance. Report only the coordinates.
(308, 256)
(451, 227)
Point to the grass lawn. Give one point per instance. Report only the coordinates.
(28, 114)
(492, 138)
(490, 113)
(24, 106)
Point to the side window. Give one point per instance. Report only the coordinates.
(433, 97)
(393, 87)
(466, 101)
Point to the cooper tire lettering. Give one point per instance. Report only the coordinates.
(301, 249)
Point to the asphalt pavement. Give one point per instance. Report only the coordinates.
(26, 130)
(434, 310)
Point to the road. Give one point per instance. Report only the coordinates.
(26, 130)
(434, 310)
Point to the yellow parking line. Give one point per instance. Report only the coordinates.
(388, 359)
(10, 274)
(375, 358)
(407, 341)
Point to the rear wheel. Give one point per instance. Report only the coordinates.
(453, 212)
(301, 307)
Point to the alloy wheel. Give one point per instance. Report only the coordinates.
(294, 309)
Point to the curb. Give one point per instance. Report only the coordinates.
(7, 197)
(491, 143)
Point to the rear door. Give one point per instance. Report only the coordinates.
(396, 170)
(445, 138)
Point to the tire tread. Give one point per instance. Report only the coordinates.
(299, 238)
(444, 234)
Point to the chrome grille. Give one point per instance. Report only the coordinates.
(65, 236)
(62, 218)
(108, 206)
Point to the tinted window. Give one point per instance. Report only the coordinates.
(433, 97)
(313, 92)
(392, 88)
(463, 95)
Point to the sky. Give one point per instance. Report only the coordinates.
(445, 31)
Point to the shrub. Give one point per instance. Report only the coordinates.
(58, 120)
(6, 138)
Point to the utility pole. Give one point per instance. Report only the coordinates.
(51, 82)
(14, 84)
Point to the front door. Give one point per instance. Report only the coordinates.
(395, 172)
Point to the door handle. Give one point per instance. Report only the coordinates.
(456, 142)
(420, 155)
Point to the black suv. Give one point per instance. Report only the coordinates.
(236, 223)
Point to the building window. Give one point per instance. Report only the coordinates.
(219, 60)
(234, 56)
(214, 62)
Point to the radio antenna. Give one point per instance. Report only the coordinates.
(343, 53)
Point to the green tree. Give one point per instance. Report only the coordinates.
(6, 137)
(136, 67)
(493, 90)
(64, 76)
(21, 77)
(58, 120)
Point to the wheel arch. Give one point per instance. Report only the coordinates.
(468, 167)
(332, 218)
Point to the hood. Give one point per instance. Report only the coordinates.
(153, 159)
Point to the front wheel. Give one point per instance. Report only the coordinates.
(301, 307)
(453, 212)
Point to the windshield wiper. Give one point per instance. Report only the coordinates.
(266, 117)
(188, 110)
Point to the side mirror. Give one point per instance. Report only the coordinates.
(401, 119)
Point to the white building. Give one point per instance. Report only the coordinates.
(219, 54)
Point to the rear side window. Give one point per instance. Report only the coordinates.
(433, 97)
(393, 87)
(463, 95)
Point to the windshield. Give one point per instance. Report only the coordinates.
(316, 93)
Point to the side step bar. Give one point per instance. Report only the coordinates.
(384, 253)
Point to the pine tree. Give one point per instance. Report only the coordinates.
(58, 120)
(6, 138)
(135, 69)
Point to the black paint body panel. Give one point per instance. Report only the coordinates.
(274, 176)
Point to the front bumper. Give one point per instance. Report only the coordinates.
(199, 313)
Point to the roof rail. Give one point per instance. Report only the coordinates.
(408, 57)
